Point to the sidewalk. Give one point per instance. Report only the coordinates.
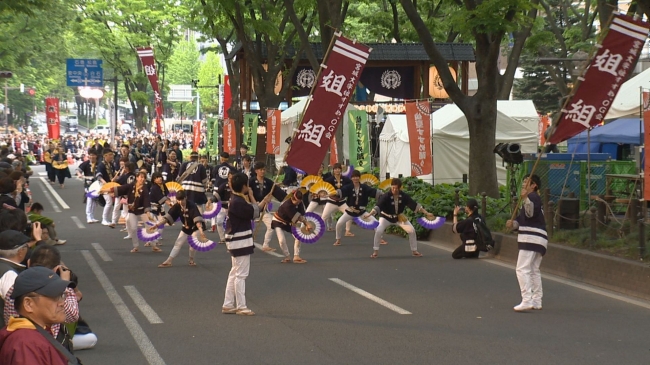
(612, 273)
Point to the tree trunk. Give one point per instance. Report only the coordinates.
(481, 121)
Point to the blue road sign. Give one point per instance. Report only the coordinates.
(82, 72)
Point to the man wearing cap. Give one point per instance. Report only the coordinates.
(39, 295)
(13, 249)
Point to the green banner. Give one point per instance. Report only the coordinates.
(213, 136)
(250, 133)
(359, 140)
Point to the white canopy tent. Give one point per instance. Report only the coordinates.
(290, 119)
(517, 122)
(627, 102)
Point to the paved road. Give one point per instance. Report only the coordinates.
(430, 310)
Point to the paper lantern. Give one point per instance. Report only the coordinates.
(436, 89)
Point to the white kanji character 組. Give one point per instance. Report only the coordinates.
(581, 113)
(311, 133)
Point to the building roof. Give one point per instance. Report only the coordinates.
(395, 51)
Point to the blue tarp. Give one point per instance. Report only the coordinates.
(605, 138)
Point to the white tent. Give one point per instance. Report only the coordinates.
(517, 122)
(628, 100)
(290, 119)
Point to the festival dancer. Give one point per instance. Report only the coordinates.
(356, 197)
(87, 171)
(106, 173)
(194, 178)
(222, 193)
(158, 198)
(239, 241)
(192, 224)
(262, 189)
(47, 160)
(390, 207)
(290, 212)
(170, 168)
(337, 180)
(138, 206)
(126, 175)
(60, 165)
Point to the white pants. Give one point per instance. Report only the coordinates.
(283, 243)
(529, 277)
(132, 227)
(266, 219)
(236, 285)
(218, 221)
(83, 342)
(116, 210)
(180, 241)
(406, 226)
(108, 208)
(90, 209)
(314, 207)
(344, 222)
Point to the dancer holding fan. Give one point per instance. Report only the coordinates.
(222, 193)
(355, 196)
(290, 212)
(158, 197)
(192, 222)
(391, 207)
(337, 180)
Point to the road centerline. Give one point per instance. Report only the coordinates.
(77, 221)
(142, 304)
(101, 252)
(372, 297)
(50, 199)
(141, 339)
(55, 194)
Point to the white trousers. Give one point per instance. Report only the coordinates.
(283, 243)
(83, 342)
(180, 241)
(236, 285)
(344, 222)
(326, 211)
(90, 209)
(132, 227)
(266, 219)
(406, 226)
(529, 277)
(116, 210)
(218, 221)
(108, 208)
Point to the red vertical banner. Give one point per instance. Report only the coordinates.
(196, 131)
(646, 142)
(52, 116)
(230, 136)
(273, 120)
(149, 64)
(334, 152)
(543, 126)
(335, 85)
(418, 121)
(227, 96)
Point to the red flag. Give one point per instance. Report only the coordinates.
(334, 152)
(52, 116)
(230, 136)
(334, 87)
(196, 130)
(273, 120)
(227, 97)
(646, 139)
(149, 65)
(610, 67)
(418, 122)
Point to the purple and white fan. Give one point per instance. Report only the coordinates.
(199, 245)
(366, 223)
(432, 223)
(348, 171)
(211, 210)
(148, 234)
(315, 232)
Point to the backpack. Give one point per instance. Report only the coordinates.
(484, 240)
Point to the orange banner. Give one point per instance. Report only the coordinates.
(196, 130)
(418, 121)
(273, 120)
(543, 125)
(334, 152)
(646, 141)
(230, 136)
(52, 117)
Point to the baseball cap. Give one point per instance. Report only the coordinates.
(40, 280)
(11, 239)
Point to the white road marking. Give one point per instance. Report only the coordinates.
(42, 173)
(269, 252)
(372, 297)
(101, 252)
(77, 221)
(559, 279)
(54, 194)
(50, 199)
(138, 334)
(145, 308)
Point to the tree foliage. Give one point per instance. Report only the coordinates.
(210, 74)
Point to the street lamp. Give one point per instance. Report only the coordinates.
(91, 93)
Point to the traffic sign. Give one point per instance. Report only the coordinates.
(180, 93)
(82, 72)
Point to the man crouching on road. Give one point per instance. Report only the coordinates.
(39, 295)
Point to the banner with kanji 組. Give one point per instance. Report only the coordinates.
(611, 66)
(646, 142)
(52, 117)
(418, 122)
(149, 64)
(335, 84)
(359, 140)
(273, 120)
(250, 132)
(196, 131)
(230, 136)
